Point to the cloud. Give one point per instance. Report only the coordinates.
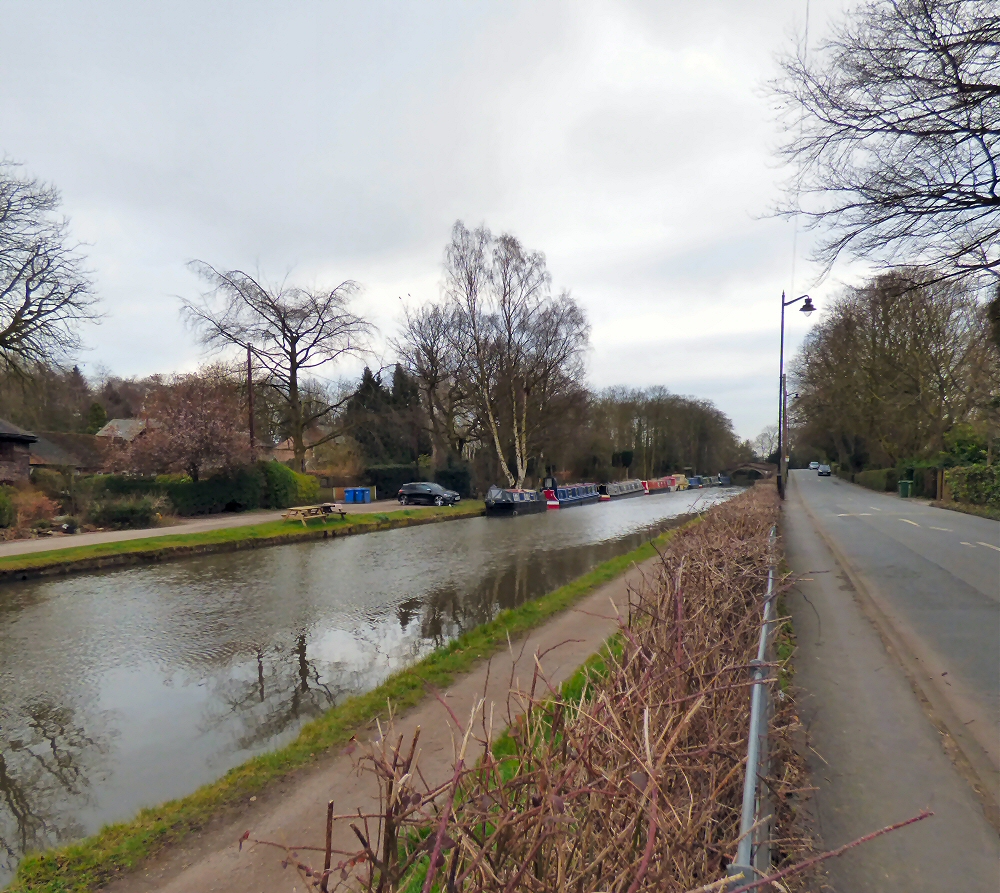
(629, 141)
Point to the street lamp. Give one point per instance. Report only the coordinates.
(806, 308)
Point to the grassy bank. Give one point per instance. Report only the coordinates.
(86, 865)
(967, 508)
(225, 539)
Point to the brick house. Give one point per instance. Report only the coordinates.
(15, 453)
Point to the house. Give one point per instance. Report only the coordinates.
(83, 453)
(122, 430)
(15, 456)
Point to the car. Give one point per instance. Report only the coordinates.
(426, 493)
(813, 466)
(824, 471)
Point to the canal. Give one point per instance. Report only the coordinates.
(124, 688)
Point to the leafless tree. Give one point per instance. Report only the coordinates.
(292, 332)
(766, 442)
(522, 346)
(427, 347)
(44, 291)
(892, 128)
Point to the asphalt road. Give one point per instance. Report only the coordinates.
(897, 618)
(186, 525)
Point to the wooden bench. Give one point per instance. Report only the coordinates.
(304, 512)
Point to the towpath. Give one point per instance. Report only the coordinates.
(191, 525)
(294, 811)
(897, 619)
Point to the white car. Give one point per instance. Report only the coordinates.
(813, 466)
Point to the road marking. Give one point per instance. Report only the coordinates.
(988, 546)
(908, 521)
(875, 507)
(852, 515)
(968, 544)
(944, 529)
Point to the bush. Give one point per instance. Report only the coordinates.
(280, 487)
(387, 479)
(8, 512)
(882, 480)
(978, 484)
(127, 512)
(455, 477)
(31, 506)
(306, 489)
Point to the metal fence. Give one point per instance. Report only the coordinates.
(753, 857)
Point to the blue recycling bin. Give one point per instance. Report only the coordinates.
(364, 494)
(349, 494)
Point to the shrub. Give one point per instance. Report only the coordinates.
(280, 488)
(306, 489)
(127, 512)
(31, 506)
(8, 512)
(883, 480)
(978, 484)
(387, 479)
(455, 477)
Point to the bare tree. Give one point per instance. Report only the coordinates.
(292, 332)
(522, 347)
(44, 291)
(427, 347)
(892, 129)
(765, 443)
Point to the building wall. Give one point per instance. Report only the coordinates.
(14, 462)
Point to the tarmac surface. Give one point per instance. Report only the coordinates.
(187, 525)
(897, 621)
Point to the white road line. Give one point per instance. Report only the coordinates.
(853, 515)
(989, 546)
(968, 544)
(907, 521)
(875, 507)
(944, 529)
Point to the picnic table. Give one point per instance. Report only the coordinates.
(303, 512)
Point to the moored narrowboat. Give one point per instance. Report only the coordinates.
(694, 482)
(680, 481)
(567, 495)
(620, 489)
(513, 502)
(666, 484)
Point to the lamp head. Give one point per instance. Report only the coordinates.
(807, 307)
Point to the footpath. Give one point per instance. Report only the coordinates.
(294, 810)
(876, 756)
(222, 521)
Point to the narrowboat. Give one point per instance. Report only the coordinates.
(513, 502)
(620, 489)
(694, 482)
(665, 484)
(566, 495)
(680, 481)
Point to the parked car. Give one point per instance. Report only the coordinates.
(813, 465)
(426, 493)
(824, 471)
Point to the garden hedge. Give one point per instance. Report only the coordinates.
(977, 484)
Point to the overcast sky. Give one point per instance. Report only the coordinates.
(631, 142)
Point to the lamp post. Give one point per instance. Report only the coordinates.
(806, 308)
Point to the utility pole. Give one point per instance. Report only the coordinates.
(253, 445)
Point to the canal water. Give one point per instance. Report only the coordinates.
(124, 688)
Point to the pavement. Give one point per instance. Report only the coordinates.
(293, 811)
(897, 620)
(186, 525)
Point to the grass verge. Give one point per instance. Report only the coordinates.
(967, 508)
(159, 548)
(86, 865)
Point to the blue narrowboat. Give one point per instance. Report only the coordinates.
(513, 502)
(567, 495)
(694, 482)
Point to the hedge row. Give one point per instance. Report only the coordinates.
(264, 485)
(387, 479)
(978, 484)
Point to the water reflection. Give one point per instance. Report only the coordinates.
(126, 688)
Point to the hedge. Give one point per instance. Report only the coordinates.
(8, 511)
(264, 485)
(306, 489)
(884, 480)
(455, 477)
(126, 513)
(387, 479)
(978, 484)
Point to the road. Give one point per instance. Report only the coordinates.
(187, 525)
(897, 619)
